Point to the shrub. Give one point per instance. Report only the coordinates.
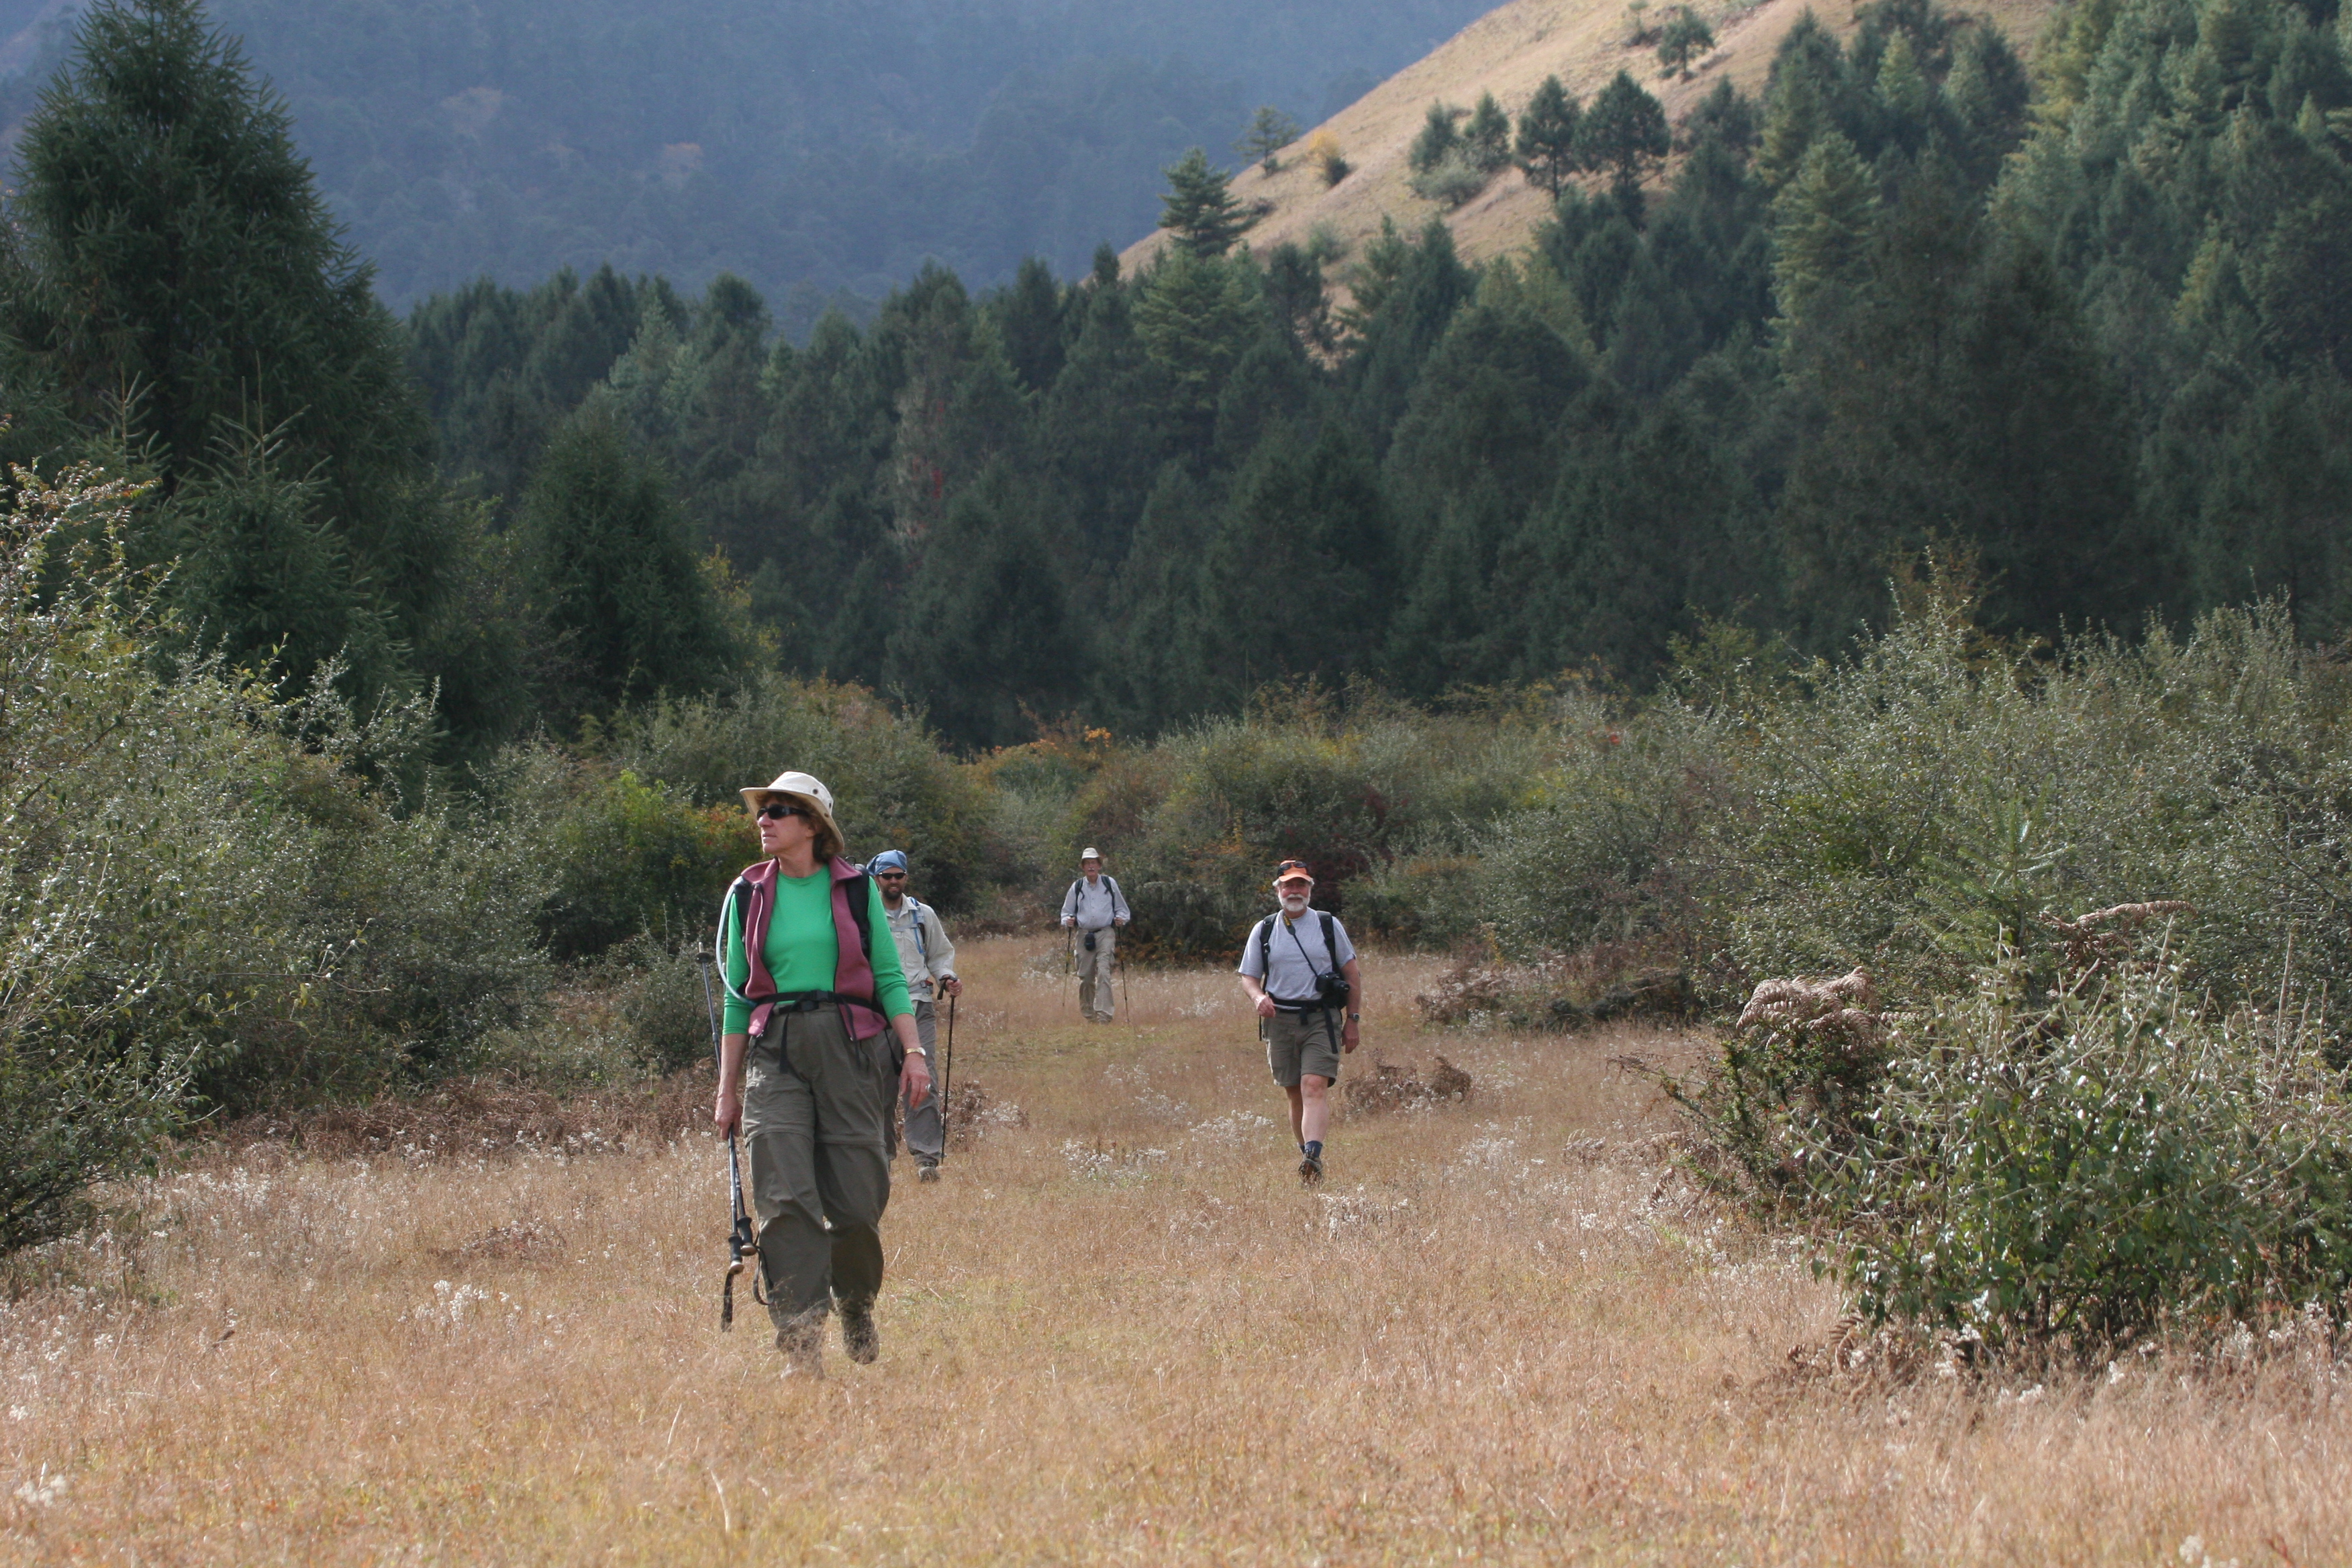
(624, 857)
(1349, 785)
(2076, 1172)
(1918, 809)
(1453, 180)
(893, 786)
(1323, 152)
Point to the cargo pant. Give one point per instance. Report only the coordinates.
(817, 1115)
(926, 1133)
(1093, 972)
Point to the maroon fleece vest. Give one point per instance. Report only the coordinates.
(853, 972)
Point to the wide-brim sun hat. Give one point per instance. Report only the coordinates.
(806, 788)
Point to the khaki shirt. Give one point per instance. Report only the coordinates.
(928, 958)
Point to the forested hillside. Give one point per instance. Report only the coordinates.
(813, 146)
(2089, 342)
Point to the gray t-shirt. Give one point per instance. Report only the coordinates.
(1298, 954)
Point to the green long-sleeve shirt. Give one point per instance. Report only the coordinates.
(803, 951)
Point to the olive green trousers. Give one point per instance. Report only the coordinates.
(816, 1121)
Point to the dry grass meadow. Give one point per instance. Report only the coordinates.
(1507, 1330)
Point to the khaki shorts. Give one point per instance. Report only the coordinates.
(1299, 1043)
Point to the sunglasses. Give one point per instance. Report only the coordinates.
(777, 810)
(891, 876)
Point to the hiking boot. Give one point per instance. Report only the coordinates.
(859, 1337)
(802, 1340)
(1310, 1168)
(927, 1171)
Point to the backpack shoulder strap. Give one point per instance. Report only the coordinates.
(1265, 947)
(1330, 948)
(915, 910)
(861, 904)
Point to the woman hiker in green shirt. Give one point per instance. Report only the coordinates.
(809, 1067)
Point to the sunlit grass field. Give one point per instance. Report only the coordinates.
(1118, 1330)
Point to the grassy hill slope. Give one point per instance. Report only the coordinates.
(1508, 52)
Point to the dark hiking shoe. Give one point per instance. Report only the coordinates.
(927, 1171)
(859, 1337)
(802, 1340)
(1310, 1168)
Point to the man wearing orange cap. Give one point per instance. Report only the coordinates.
(1299, 969)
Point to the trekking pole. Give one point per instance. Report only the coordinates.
(947, 1077)
(739, 1239)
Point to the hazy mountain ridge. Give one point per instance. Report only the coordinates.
(794, 144)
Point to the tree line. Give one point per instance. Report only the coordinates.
(1915, 298)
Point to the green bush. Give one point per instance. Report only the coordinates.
(893, 786)
(2078, 1172)
(1921, 808)
(621, 857)
(1348, 786)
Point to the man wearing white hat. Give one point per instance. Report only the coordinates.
(1093, 911)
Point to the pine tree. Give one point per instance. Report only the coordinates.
(1270, 131)
(613, 579)
(1794, 115)
(1625, 132)
(1821, 222)
(988, 639)
(1902, 88)
(1487, 138)
(1437, 138)
(1029, 317)
(1196, 318)
(1683, 39)
(183, 285)
(1546, 148)
(1199, 208)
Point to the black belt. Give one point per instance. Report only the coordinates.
(809, 1001)
(1305, 1007)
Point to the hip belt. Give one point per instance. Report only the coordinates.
(809, 1001)
(1311, 1005)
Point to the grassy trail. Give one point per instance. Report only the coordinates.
(1503, 1331)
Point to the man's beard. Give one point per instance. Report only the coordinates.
(1294, 903)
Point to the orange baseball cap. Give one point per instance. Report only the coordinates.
(1293, 872)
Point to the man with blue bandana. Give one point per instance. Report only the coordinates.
(927, 955)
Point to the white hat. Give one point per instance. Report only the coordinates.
(800, 786)
(1089, 853)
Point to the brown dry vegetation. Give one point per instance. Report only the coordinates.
(1508, 52)
(1506, 1331)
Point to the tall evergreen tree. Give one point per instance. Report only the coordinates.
(1682, 39)
(1625, 132)
(1199, 208)
(1437, 138)
(1487, 136)
(1546, 148)
(1822, 225)
(614, 580)
(1270, 131)
(183, 287)
(987, 640)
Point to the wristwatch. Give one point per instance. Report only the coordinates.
(1355, 1018)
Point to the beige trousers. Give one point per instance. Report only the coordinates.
(1093, 972)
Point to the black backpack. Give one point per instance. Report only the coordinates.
(1109, 882)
